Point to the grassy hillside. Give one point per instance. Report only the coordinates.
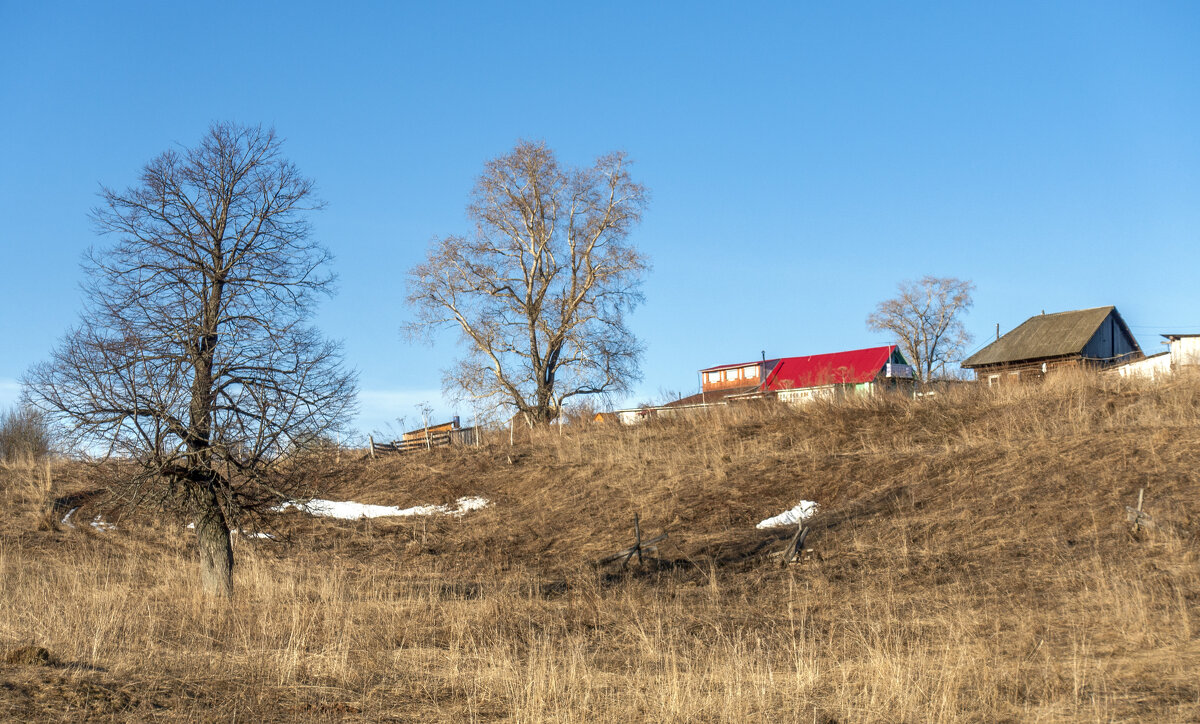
(972, 562)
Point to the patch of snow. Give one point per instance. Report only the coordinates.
(67, 518)
(349, 510)
(99, 524)
(805, 510)
(243, 533)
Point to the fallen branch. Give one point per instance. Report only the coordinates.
(795, 547)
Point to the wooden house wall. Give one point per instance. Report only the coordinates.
(1023, 371)
(745, 378)
(1109, 344)
(433, 430)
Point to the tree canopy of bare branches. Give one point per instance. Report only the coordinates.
(194, 362)
(926, 318)
(541, 289)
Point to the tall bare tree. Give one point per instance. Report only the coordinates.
(540, 290)
(926, 318)
(194, 363)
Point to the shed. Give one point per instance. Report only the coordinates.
(1185, 349)
(422, 433)
(1093, 338)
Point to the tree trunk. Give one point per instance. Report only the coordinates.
(216, 548)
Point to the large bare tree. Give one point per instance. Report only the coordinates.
(540, 290)
(194, 364)
(926, 318)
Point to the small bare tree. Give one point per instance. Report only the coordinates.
(925, 316)
(541, 289)
(24, 434)
(193, 362)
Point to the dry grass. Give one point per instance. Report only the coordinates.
(975, 565)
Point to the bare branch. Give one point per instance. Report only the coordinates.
(540, 291)
(925, 317)
(193, 360)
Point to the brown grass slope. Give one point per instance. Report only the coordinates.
(973, 563)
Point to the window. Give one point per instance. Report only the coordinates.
(731, 374)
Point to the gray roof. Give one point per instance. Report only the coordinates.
(1046, 335)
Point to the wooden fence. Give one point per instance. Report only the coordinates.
(460, 437)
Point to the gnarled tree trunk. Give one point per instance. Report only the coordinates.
(215, 546)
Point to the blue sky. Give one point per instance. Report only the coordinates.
(803, 158)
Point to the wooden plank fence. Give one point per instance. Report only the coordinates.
(465, 436)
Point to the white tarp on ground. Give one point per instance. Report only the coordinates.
(806, 509)
(349, 510)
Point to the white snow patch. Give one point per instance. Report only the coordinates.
(803, 511)
(243, 533)
(67, 518)
(349, 510)
(99, 524)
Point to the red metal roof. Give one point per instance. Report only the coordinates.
(853, 367)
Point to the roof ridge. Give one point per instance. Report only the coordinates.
(1071, 311)
(844, 351)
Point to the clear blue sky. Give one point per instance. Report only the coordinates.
(803, 157)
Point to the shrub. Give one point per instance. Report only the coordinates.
(24, 434)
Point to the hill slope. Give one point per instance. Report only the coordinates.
(972, 562)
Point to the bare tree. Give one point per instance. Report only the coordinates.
(194, 362)
(24, 434)
(541, 289)
(925, 316)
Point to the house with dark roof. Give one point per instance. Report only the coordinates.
(796, 379)
(1094, 338)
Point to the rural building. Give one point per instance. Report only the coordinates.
(432, 430)
(1094, 338)
(1183, 351)
(1152, 367)
(825, 376)
(796, 379)
(790, 379)
(446, 433)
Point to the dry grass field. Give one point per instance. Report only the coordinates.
(972, 562)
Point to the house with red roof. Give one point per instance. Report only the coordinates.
(798, 379)
(823, 376)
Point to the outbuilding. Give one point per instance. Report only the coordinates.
(1183, 351)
